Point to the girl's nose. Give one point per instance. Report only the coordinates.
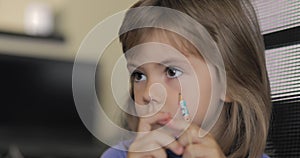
(155, 93)
(154, 97)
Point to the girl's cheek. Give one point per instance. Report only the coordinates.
(173, 84)
(137, 95)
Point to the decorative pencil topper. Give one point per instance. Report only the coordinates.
(184, 110)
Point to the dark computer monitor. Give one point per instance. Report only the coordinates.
(38, 113)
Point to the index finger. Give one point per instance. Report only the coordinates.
(146, 122)
(181, 126)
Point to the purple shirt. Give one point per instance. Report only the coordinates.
(121, 151)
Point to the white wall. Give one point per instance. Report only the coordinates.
(75, 18)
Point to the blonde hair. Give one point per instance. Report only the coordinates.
(233, 26)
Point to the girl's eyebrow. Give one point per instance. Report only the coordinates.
(174, 60)
(164, 62)
(131, 65)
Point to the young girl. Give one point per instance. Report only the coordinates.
(200, 86)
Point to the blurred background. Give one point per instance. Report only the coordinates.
(38, 43)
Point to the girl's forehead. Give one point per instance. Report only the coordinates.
(154, 52)
(165, 37)
(159, 46)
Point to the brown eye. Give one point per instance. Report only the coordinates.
(138, 76)
(173, 72)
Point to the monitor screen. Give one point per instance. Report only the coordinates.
(38, 113)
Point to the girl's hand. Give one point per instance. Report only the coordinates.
(196, 146)
(152, 143)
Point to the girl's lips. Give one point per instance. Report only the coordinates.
(167, 125)
(164, 122)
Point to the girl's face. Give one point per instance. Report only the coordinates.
(160, 72)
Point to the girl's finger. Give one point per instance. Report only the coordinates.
(155, 140)
(182, 126)
(167, 141)
(201, 150)
(150, 154)
(195, 150)
(177, 124)
(187, 133)
(159, 153)
(146, 122)
(191, 135)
